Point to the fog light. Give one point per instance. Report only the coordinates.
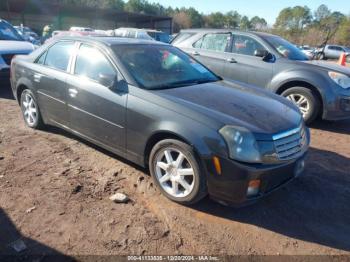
(345, 104)
(253, 188)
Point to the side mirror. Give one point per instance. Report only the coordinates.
(261, 53)
(106, 80)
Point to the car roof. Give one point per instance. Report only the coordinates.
(211, 30)
(139, 29)
(110, 40)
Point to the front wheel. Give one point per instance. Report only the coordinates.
(176, 171)
(306, 100)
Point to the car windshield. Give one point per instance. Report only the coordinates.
(286, 49)
(162, 67)
(7, 32)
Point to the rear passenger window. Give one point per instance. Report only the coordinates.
(58, 55)
(92, 64)
(215, 42)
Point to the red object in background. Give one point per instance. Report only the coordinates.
(342, 59)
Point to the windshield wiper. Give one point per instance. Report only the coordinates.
(183, 83)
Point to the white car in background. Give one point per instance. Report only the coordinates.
(308, 51)
(11, 44)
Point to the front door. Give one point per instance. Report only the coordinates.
(244, 66)
(96, 111)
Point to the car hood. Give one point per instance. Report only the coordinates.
(329, 66)
(232, 103)
(15, 47)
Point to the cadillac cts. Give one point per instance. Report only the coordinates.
(156, 106)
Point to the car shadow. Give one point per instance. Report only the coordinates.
(5, 90)
(340, 126)
(27, 248)
(60, 131)
(313, 208)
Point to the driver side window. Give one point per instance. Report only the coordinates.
(245, 45)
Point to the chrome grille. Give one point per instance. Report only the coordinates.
(289, 144)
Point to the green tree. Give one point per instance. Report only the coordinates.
(232, 19)
(258, 23)
(322, 12)
(244, 23)
(215, 20)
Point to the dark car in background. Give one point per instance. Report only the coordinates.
(154, 105)
(269, 61)
(11, 44)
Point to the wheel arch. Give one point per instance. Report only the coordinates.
(298, 83)
(20, 89)
(162, 135)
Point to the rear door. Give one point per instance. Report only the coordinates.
(242, 64)
(211, 50)
(96, 111)
(49, 77)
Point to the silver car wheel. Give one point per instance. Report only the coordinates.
(302, 103)
(174, 172)
(30, 110)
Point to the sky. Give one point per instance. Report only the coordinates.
(268, 9)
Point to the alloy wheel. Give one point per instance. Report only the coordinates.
(301, 101)
(174, 172)
(30, 110)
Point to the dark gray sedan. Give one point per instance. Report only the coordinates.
(269, 61)
(156, 106)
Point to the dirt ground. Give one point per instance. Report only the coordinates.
(54, 191)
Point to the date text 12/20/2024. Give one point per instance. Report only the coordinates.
(173, 258)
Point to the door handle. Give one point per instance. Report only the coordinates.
(231, 60)
(72, 92)
(195, 53)
(37, 77)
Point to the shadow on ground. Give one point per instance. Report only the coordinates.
(10, 237)
(314, 208)
(341, 126)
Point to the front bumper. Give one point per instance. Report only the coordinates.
(231, 186)
(339, 109)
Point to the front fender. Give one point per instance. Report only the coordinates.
(146, 120)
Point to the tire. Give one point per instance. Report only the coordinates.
(306, 100)
(173, 186)
(30, 110)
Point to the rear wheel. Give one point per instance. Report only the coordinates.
(306, 100)
(176, 171)
(30, 110)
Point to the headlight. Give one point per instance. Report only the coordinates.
(341, 79)
(241, 144)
